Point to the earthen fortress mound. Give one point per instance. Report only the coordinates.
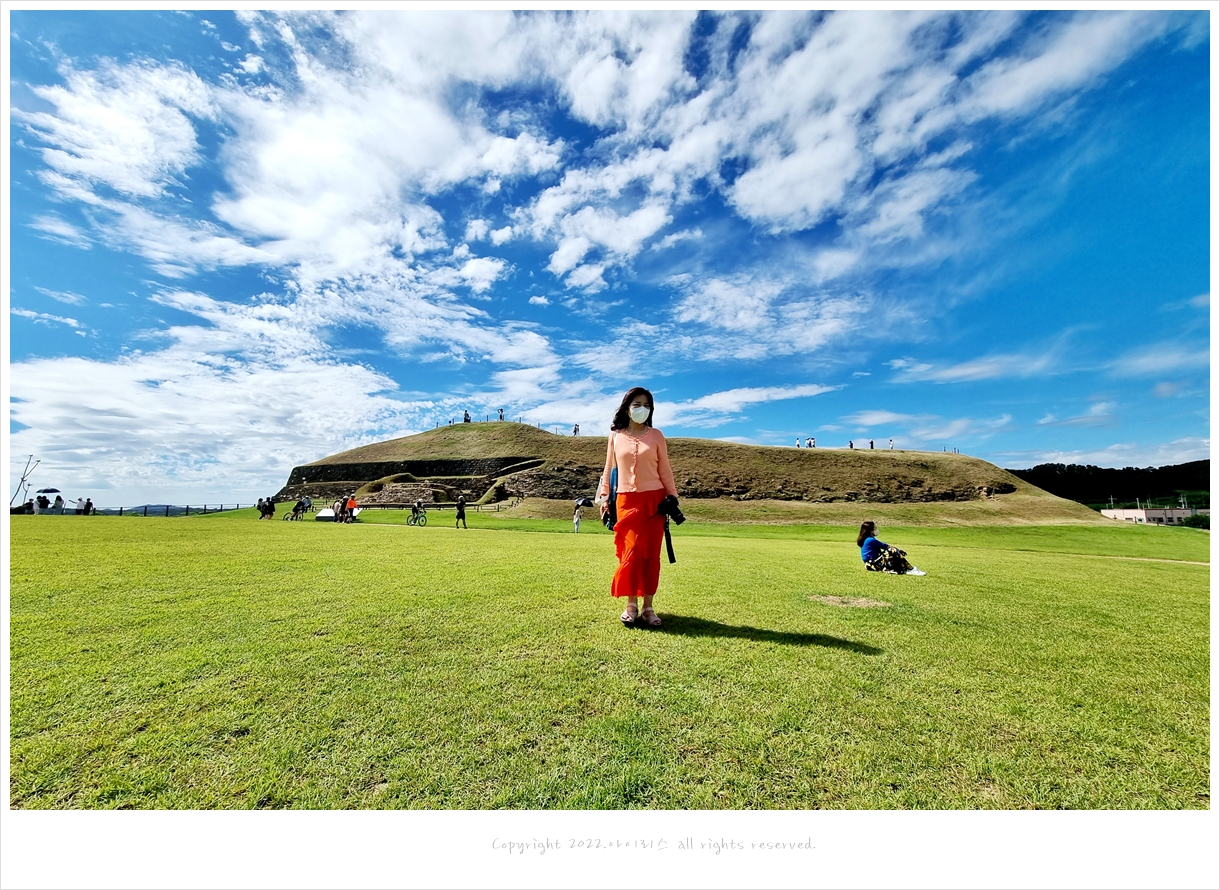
(495, 461)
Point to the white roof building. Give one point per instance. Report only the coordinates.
(1155, 515)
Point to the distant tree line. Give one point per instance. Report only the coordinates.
(1096, 485)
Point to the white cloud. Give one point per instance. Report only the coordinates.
(589, 277)
(719, 407)
(1123, 454)
(1162, 358)
(1099, 414)
(674, 237)
(1079, 52)
(74, 299)
(540, 301)
(752, 317)
(44, 318)
(174, 425)
(874, 418)
(990, 367)
(56, 229)
(960, 428)
(499, 236)
(476, 229)
(481, 272)
(125, 127)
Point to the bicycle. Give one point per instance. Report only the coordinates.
(420, 519)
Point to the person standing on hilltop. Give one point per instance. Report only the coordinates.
(637, 450)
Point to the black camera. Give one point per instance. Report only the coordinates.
(669, 507)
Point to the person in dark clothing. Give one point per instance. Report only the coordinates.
(88, 506)
(461, 511)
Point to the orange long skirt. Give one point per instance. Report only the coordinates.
(637, 543)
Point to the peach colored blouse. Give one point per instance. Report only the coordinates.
(643, 463)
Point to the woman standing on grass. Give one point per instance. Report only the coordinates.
(461, 511)
(644, 478)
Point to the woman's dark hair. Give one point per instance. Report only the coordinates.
(868, 529)
(621, 418)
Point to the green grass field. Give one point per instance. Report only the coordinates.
(221, 662)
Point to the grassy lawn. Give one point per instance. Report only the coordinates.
(216, 661)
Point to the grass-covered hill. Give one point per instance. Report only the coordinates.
(503, 459)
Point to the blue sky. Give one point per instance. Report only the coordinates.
(240, 242)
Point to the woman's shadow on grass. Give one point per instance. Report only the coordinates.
(690, 626)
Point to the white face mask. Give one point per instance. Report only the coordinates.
(639, 413)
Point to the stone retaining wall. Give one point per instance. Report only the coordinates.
(399, 493)
(368, 472)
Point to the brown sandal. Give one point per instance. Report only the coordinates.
(650, 618)
(630, 615)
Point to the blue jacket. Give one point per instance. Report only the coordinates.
(871, 548)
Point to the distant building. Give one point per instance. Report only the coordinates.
(1155, 515)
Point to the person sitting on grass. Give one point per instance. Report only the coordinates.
(881, 557)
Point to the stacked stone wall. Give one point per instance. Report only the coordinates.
(399, 493)
(368, 472)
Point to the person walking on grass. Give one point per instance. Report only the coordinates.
(576, 519)
(461, 511)
(637, 450)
